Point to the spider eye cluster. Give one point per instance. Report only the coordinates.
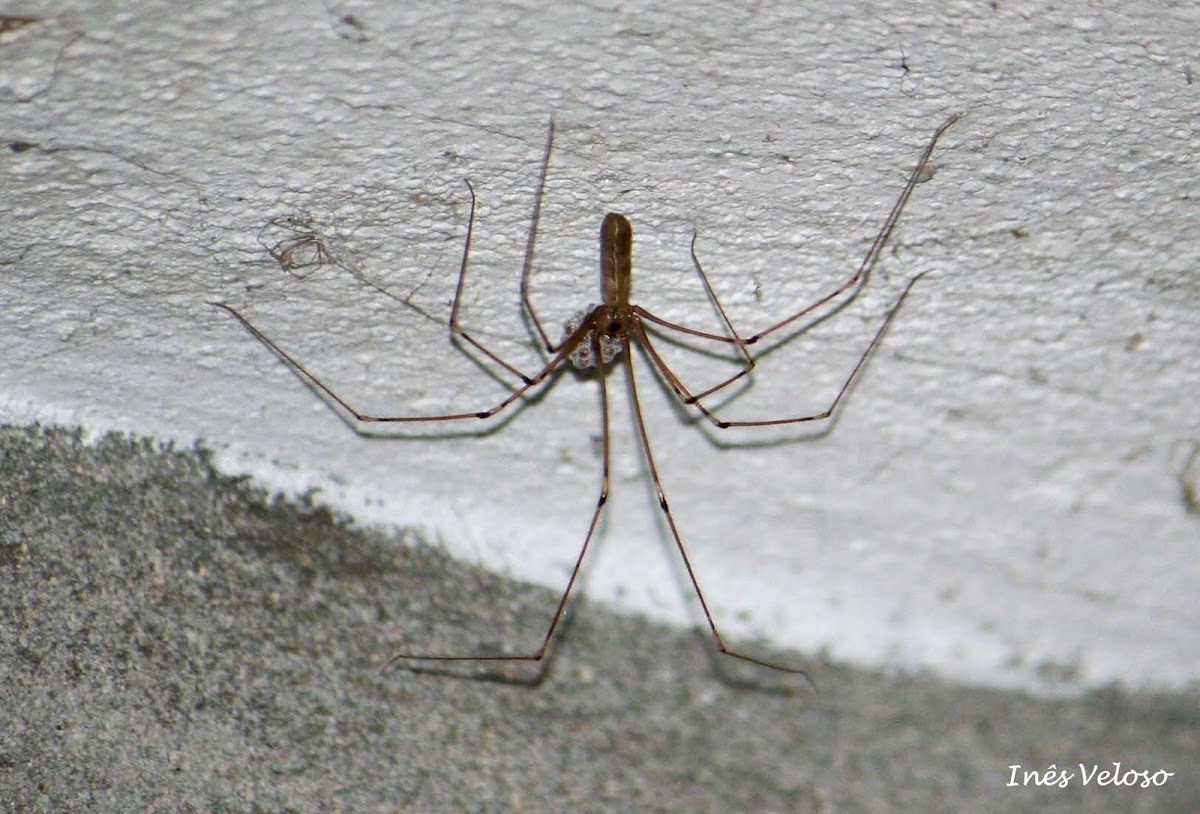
(584, 355)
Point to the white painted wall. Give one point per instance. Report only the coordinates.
(1000, 500)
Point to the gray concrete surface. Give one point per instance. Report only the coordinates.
(172, 640)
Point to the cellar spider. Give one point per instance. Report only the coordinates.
(300, 248)
(597, 339)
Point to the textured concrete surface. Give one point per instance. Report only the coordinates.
(172, 640)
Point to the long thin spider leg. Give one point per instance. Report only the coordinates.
(681, 391)
(665, 373)
(876, 245)
(837, 399)
(672, 380)
(716, 301)
(687, 563)
(527, 267)
(684, 329)
(568, 346)
(455, 327)
(560, 609)
(864, 268)
(688, 398)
